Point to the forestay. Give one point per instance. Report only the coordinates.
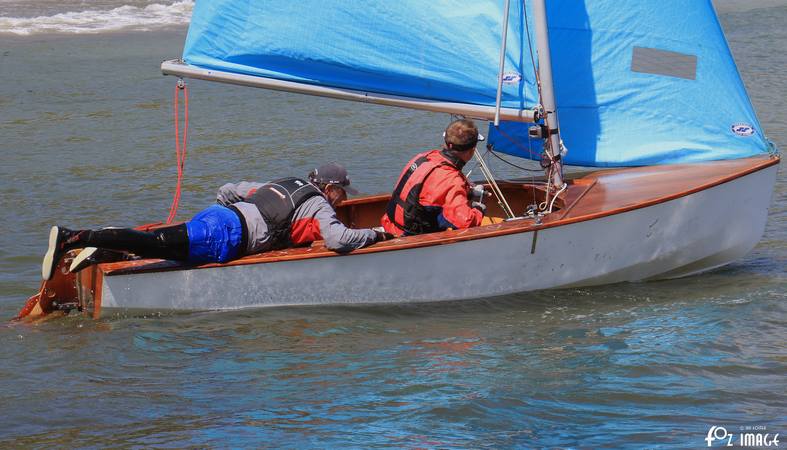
(640, 83)
(444, 50)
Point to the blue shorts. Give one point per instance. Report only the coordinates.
(215, 235)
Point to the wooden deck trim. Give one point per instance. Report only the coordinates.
(667, 198)
(441, 238)
(98, 292)
(567, 209)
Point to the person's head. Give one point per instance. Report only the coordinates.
(333, 181)
(461, 137)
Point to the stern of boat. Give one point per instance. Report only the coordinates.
(63, 294)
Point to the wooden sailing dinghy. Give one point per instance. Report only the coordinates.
(690, 190)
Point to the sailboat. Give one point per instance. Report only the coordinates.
(649, 98)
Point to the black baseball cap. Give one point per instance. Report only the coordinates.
(332, 173)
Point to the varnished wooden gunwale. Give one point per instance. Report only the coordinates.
(98, 293)
(592, 196)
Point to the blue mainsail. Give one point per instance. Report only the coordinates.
(445, 50)
(640, 83)
(636, 83)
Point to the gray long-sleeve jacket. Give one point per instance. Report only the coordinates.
(313, 220)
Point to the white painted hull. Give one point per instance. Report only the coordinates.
(686, 235)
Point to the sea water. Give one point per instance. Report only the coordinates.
(86, 140)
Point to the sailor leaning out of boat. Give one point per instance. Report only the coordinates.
(432, 193)
(248, 218)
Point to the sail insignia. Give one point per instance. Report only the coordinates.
(742, 129)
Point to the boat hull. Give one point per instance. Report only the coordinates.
(675, 237)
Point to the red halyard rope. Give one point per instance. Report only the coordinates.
(180, 146)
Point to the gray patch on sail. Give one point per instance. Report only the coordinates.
(662, 62)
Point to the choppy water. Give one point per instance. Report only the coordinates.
(86, 140)
(23, 17)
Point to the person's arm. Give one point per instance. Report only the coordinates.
(457, 212)
(236, 192)
(337, 236)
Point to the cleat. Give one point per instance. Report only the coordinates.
(92, 255)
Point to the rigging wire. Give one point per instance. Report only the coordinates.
(501, 199)
(547, 205)
(525, 169)
(180, 146)
(490, 178)
(527, 149)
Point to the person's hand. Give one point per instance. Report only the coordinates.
(477, 193)
(381, 234)
(227, 195)
(479, 206)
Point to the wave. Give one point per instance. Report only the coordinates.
(125, 17)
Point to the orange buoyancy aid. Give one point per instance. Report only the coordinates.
(405, 210)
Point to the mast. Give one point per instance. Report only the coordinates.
(552, 139)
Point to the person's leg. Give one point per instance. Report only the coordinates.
(165, 243)
(213, 235)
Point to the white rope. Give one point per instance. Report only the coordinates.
(557, 194)
(493, 184)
